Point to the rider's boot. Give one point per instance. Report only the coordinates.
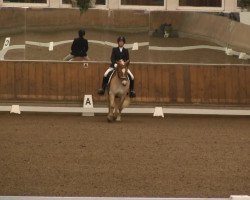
(101, 91)
(131, 88)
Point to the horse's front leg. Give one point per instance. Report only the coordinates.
(111, 107)
(115, 110)
(119, 117)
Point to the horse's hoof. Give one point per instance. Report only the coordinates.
(118, 119)
(110, 118)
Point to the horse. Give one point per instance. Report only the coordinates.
(118, 90)
(80, 58)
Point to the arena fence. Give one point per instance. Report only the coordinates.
(162, 84)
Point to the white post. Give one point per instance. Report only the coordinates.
(1, 3)
(230, 5)
(113, 4)
(172, 4)
(92, 3)
(15, 109)
(55, 3)
(88, 104)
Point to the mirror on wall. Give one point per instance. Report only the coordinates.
(151, 36)
(12, 34)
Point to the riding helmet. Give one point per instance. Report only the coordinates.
(121, 38)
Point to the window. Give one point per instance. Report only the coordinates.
(66, 1)
(100, 2)
(201, 3)
(24, 1)
(143, 2)
(243, 3)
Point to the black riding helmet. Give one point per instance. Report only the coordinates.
(81, 32)
(121, 38)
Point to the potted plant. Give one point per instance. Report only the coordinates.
(244, 5)
(84, 5)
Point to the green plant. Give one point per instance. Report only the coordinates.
(244, 4)
(83, 5)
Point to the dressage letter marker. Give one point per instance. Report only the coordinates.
(135, 46)
(243, 56)
(88, 106)
(51, 46)
(15, 109)
(85, 65)
(158, 112)
(239, 197)
(6, 43)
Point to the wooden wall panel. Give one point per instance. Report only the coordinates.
(221, 85)
(165, 78)
(154, 83)
(157, 82)
(213, 85)
(180, 87)
(247, 72)
(172, 84)
(151, 82)
(4, 88)
(145, 83)
(60, 82)
(137, 72)
(242, 77)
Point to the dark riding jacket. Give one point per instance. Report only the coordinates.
(79, 47)
(117, 55)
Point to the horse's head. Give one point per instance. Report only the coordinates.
(122, 71)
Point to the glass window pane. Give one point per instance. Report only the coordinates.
(73, 2)
(66, 1)
(25, 1)
(201, 3)
(243, 3)
(100, 2)
(143, 2)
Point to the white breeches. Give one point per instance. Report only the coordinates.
(108, 70)
(131, 75)
(111, 69)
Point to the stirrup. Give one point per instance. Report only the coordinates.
(101, 91)
(132, 94)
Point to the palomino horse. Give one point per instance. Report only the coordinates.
(118, 97)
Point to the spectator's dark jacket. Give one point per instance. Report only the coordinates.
(117, 55)
(79, 47)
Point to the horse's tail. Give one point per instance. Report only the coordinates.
(126, 102)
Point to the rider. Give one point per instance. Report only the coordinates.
(79, 47)
(118, 53)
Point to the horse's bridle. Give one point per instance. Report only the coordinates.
(123, 67)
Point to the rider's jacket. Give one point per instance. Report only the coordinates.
(79, 47)
(118, 54)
